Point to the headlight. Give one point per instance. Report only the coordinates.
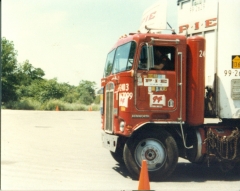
(122, 125)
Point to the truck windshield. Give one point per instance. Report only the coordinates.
(123, 60)
(120, 59)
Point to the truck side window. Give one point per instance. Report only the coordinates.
(164, 57)
(143, 58)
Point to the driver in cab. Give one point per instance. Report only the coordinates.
(161, 60)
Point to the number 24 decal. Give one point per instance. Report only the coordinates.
(201, 53)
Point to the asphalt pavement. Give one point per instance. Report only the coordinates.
(62, 150)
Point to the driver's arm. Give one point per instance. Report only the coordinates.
(158, 67)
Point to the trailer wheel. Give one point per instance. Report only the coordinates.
(159, 149)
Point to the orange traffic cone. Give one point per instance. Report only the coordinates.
(57, 109)
(144, 179)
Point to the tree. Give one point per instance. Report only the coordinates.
(9, 70)
(23, 81)
(27, 73)
(71, 94)
(44, 90)
(86, 90)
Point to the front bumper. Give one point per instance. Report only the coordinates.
(109, 141)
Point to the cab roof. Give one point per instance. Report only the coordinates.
(146, 38)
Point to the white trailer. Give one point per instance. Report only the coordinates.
(218, 22)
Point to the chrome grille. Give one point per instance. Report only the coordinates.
(109, 95)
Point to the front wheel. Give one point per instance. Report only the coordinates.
(118, 155)
(158, 148)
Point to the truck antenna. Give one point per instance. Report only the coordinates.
(173, 31)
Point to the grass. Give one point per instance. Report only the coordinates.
(50, 105)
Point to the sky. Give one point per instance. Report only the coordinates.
(69, 39)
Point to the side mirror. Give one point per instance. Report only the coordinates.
(150, 55)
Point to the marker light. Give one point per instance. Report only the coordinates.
(121, 126)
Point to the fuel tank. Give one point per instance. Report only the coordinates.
(195, 90)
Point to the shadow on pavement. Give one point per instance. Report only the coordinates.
(188, 172)
(121, 169)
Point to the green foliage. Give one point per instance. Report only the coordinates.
(23, 104)
(9, 69)
(8, 57)
(23, 86)
(97, 99)
(50, 105)
(43, 90)
(27, 73)
(63, 106)
(86, 90)
(51, 89)
(71, 95)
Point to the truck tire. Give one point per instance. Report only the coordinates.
(158, 148)
(118, 155)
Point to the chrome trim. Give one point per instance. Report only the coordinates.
(199, 146)
(165, 40)
(180, 113)
(183, 138)
(159, 122)
(180, 85)
(109, 107)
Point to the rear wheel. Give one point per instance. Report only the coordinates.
(158, 148)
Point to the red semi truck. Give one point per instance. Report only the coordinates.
(161, 115)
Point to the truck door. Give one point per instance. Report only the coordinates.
(157, 89)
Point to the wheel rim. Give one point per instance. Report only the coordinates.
(153, 151)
